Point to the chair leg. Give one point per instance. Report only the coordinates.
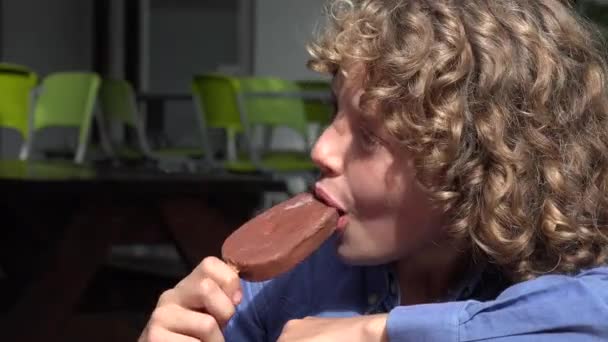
(24, 152)
(104, 133)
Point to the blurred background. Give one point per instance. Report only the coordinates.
(135, 135)
(158, 45)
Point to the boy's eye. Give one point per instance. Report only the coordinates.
(334, 106)
(368, 140)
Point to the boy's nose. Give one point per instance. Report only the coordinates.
(326, 153)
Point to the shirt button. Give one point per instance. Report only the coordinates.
(372, 299)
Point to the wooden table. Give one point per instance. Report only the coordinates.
(82, 212)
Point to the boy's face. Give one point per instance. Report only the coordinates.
(387, 216)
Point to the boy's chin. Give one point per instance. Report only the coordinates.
(351, 255)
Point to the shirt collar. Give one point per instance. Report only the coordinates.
(464, 288)
(383, 291)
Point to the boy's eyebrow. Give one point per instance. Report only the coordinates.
(373, 126)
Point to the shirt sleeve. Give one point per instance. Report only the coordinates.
(246, 324)
(549, 308)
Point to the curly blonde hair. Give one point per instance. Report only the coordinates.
(503, 106)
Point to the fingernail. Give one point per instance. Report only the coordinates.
(236, 298)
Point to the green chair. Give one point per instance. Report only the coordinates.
(271, 103)
(238, 106)
(14, 68)
(119, 109)
(215, 100)
(318, 104)
(16, 85)
(319, 107)
(66, 99)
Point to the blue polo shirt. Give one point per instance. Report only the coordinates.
(483, 307)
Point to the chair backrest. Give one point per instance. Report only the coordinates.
(66, 99)
(16, 85)
(14, 68)
(272, 102)
(238, 104)
(317, 111)
(117, 100)
(119, 107)
(216, 97)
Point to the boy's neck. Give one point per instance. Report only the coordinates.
(428, 276)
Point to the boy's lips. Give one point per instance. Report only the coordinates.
(342, 223)
(328, 200)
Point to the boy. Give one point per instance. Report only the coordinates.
(469, 151)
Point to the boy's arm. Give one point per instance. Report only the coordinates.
(550, 308)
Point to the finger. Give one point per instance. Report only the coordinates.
(216, 302)
(206, 295)
(157, 334)
(187, 292)
(225, 276)
(179, 320)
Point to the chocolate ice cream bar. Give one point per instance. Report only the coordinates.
(279, 238)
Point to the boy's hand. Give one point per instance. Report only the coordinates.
(198, 307)
(363, 328)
